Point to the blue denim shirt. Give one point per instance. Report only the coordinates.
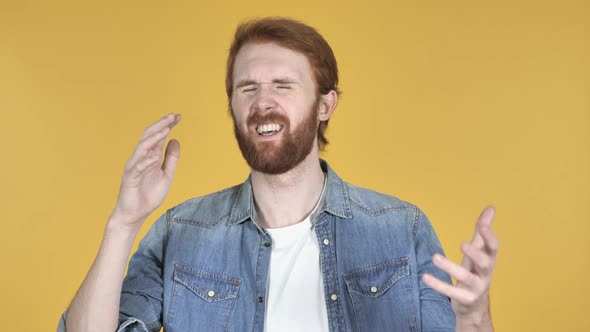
(203, 265)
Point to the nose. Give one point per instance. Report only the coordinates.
(265, 100)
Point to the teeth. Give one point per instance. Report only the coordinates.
(267, 128)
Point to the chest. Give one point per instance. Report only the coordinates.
(218, 280)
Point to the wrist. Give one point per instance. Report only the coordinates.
(477, 321)
(122, 225)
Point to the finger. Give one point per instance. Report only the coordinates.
(145, 163)
(485, 219)
(492, 244)
(171, 157)
(152, 143)
(482, 262)
(458, 272)
(169, 120)
(462, 295)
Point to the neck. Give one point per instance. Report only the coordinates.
(286, 199)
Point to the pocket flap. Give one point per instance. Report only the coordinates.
(375, 280)
(209, 286)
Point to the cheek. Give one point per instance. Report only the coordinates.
(293, 105)
(239, 111)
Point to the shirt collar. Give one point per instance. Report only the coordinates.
(335, 201)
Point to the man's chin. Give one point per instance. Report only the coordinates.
(273, 169)
(271, 162)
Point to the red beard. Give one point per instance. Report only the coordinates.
(278, 157)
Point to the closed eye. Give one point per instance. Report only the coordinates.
(249, 89)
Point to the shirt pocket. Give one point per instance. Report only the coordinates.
(201, 300)
(382, 297)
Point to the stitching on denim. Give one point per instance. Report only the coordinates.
(230, 294)
(164, 247)
(434, 299)
(337, 212)
(334, 281)
(152, 325)
(219, 192)
(394, 278)
(376, 212)
(238, 217)
(194, 200)
(345, 194)
(256, 274)
(229, 314)
(206, 274)
(166, 234)
(324, 262)
(414, 323)
(132, 321)
(339, 310)
(354, 310)
(201, 223)
(416, 221)
(171, 303)
(235, 205)
(380, 266)
(320, 230)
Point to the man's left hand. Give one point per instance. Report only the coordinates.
(470, 295)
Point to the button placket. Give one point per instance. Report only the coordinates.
(263, 263)
(324, 230)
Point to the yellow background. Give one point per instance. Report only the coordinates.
(448, 104)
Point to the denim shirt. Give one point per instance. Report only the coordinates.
(203, 265)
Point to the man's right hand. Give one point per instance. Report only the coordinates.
(146, 179)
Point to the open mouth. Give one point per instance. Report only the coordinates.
(268, 129)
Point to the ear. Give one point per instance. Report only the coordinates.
(327, 105)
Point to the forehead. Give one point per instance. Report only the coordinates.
(263, 62)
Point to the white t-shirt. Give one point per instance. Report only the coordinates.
(295, 299)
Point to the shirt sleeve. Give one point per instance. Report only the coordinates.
(129, 325)
(435, 309)
(140, 309)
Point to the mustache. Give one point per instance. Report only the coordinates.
(257, 118)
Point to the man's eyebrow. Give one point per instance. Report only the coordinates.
(243, 83)
(285, 80)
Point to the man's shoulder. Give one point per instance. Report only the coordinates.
(206, 210)
(375, 203)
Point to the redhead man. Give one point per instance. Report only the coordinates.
(294, 247)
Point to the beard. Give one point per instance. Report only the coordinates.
(278, 157)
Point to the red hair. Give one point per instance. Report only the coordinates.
(295, 36)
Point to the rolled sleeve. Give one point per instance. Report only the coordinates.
(131, 324)
(435, 309)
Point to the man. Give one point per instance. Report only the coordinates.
(293, 248)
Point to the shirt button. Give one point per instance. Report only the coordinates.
(260, 299)
(326, 241)
(267, 244)
(373, 289)
(211, 293)
(334, 297)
